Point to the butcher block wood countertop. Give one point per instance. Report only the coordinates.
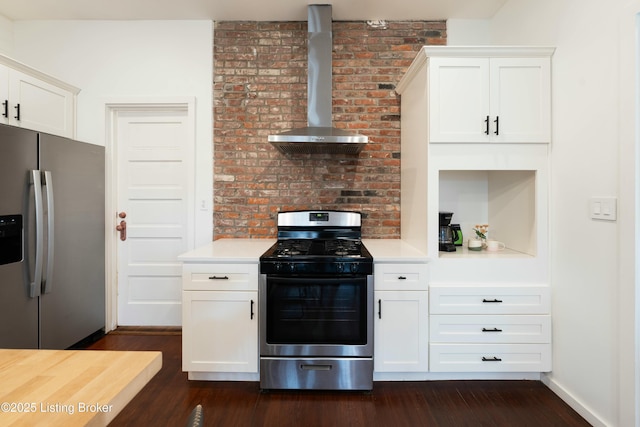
(70, 387)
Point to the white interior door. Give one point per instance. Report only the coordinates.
(153, 191)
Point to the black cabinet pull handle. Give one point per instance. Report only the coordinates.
(486, 122)
(491, 330)
(497, 122)
(17, 116)
(491, 359)
(252, 312)
(5, 106)
(379, 309)
(491, 300)
(402, 278)
(218, 277)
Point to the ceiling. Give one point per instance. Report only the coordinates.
(245, 10)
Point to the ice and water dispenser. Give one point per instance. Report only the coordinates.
(10, 239)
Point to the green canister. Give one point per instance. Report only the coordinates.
(457, 234)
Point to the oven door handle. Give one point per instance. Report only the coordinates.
(316, 280)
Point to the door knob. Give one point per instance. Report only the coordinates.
(122, 228)
(122, 215)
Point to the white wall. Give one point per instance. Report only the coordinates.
(467, 32)
(130, 60)
(6, 36)
(592, 155)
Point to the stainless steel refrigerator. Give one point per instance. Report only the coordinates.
(52, 246)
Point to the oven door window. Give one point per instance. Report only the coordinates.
(316, 310)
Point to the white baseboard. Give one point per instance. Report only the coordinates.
(572, 401)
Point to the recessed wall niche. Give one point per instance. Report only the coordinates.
(504, 199)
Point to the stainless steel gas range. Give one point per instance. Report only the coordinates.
(316, 304)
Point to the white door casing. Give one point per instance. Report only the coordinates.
(150, 148)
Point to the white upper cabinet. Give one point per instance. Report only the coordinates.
(36, 101)
(485, 94)
(520, 100)
(458, 99)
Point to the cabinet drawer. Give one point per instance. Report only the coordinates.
(401, 277)
(490, 357)
(526, 329)
(489, 299)
(220, 277)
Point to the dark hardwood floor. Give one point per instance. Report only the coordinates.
(169, 397)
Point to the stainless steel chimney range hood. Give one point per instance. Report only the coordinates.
(319, 136)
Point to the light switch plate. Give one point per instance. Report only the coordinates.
(604, 208)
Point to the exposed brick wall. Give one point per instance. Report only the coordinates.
(260, 87)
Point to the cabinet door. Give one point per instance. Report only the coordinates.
(401, 341)
(38, 105)
(4, 94)
(520, 99)
(458, 99)
(220, 331)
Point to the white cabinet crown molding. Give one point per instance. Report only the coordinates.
(488, 51)
(426, 52)
(19, 66)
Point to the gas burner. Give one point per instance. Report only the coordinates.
(342, 247)
(287, 248)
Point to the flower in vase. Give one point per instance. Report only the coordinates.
(481, 231)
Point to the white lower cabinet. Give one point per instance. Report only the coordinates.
(401, 318)
(490, 329)
(220, 319)
(401, 332)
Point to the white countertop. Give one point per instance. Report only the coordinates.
(394, 250)
(249, 251)
(229, 250)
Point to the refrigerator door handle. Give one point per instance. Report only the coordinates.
(34, 288)
(48, 278)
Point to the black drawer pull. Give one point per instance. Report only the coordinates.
(491, 359)
(379, 309)
(218, 277)
(491, 330)
(491, 300)
(402, 278)
(252, 312)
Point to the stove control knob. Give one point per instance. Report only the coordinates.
(292, 267)
(278, 266)
(340, 267)
(354, 267)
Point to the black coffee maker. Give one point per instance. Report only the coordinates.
(446, 236)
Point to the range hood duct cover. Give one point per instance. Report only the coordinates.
(319, 136)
